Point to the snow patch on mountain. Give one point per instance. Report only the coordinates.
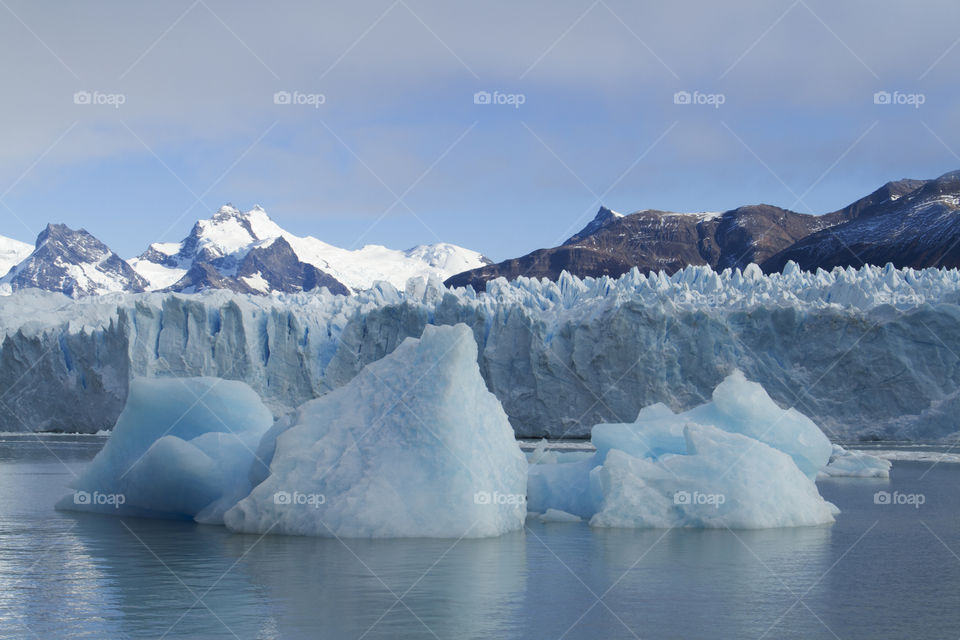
(12, 252)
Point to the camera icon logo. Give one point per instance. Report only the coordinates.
(81, 97)
(281, 97)
(481, 497)
(881, 97)
(881, 497)
(681, 497)
(682, 97)
(281, 497)
(481, 97)
(81, 497)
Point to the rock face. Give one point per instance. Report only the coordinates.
(917, 228)
(73, 263)
(560, 356)
(267, 267)
(886, 226)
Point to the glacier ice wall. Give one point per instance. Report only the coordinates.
(864, 353)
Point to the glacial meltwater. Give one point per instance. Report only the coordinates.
(888, 568)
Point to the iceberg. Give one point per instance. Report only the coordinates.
(855, 464)
(182, 448)
(739, 461)
(414, 446)
(738, 406)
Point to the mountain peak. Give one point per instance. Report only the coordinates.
(603, 218)
(227, 212)
(74, 263)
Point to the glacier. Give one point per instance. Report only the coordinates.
(867, 353)
(413, 446)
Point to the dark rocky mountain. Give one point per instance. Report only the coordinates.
(75, 263)
(612, 244)
(273, 266)
(918, 228)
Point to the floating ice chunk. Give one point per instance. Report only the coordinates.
(855, 464)
(181, 448)
(739, 406)
(414, 446)
(554, 515)
(725, 480)
(541, 455)
(739, 461)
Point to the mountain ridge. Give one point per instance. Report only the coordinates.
(652, 240)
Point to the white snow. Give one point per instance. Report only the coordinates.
(182, 448)
(740, 461)
(257, 282)
(12, 252)
(158, 276)
(413, 446)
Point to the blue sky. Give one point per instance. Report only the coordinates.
(399, 153)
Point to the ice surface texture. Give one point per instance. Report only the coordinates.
(739, 461)
(861, 352)
(182, 448)
(413, 446)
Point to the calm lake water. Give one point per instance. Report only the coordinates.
(882, 571)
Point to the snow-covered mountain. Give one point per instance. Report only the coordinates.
(12, 252)
(247, 251)
(74, 263)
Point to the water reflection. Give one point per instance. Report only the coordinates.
(879, 572)
(202, 580)
(660, 583)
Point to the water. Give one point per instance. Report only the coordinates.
(882, 571)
